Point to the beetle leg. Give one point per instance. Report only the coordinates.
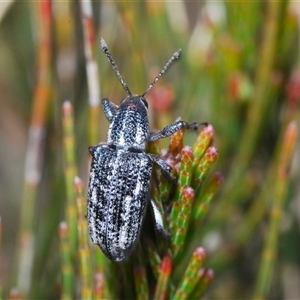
(159, 225)
(165, 168)
(172, 128)
(109, 109)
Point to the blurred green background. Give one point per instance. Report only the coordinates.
(239, 72)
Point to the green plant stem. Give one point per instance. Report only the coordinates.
(180, 227)
(164, 276)
(203, 167)
(66, 263)
(184, 180)
(206, 277)
(281, 185)
(202, 143)
(190, 278)
(203, 203)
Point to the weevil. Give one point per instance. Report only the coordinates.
(120, 172)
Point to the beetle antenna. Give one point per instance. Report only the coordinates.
(114, 65)
(174, 57)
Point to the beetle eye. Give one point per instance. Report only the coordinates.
(145, 102)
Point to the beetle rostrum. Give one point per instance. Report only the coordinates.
(120, 172)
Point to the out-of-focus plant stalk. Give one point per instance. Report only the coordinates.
(178, 17)
(91, 70)
(258, 106)
(65, 49)
(98, 290)
(130, 15)
(281, 185)
(242, 233)
(141, 284)
(163, 23)
(14, 294)
(34, 151)
(70, 172)
(260, 103)
(83, 242)
(67, 269)
(1, 297)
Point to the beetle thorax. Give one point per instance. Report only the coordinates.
(130, 125)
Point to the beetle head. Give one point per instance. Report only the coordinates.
(135, 102)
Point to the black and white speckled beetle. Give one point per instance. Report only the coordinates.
(120, 171)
